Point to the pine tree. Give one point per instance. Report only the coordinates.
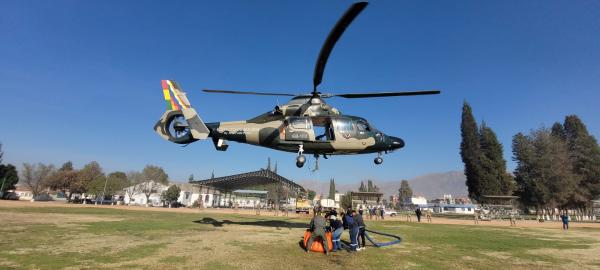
(332, 189)
(362, 187)
(370, 186)
(494, 179)
(470, 151)
(191, 178)
(584, 154)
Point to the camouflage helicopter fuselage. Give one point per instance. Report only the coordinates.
(290, 128)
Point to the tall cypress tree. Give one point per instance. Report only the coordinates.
(494, 178)
(332, 189)
(370, 187)
(470, 151)
(584, 154)
(362, 187)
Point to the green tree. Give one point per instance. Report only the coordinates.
(544, 172)
(64, 179)
(346, 201)
(405, 192)
(362, 187)
(332, 189)
(584, 154)
(311, 194)
(370, 187)
(171, 194)
(90, 172)
(494, 179)
(191, 178)
(470, 151)
(9, 177)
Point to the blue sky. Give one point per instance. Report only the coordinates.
(80, 80)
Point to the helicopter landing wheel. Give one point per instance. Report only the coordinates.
(300, 161)
(378, 160)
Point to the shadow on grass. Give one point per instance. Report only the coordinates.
(263, 223)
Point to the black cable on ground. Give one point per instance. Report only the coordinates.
(377, 244)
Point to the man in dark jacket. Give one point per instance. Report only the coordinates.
(361, 230)
(418, 213)
(352, 227)
(337, 228)
(317, 227)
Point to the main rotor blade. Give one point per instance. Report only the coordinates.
(333, 37)
(387, 94)
(247, 93)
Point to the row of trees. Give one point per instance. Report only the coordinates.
(556, 168)
(370, 187)
(91, 180)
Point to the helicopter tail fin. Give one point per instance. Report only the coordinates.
(178, 102)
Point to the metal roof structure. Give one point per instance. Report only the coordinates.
(247, 180)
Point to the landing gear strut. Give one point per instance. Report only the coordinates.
(378, 160)
(300, 159)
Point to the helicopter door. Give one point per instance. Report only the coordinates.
(299, 129)
(344, 129)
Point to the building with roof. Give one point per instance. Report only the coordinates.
(247, 189)
(446, 208)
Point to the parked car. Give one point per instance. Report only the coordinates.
(10, 196)
(391, 213)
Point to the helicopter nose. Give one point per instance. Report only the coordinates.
(396, 142)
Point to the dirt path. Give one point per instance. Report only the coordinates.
(435, 220)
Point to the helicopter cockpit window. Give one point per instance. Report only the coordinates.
(344, 125)
(362, 126)
(300, 123)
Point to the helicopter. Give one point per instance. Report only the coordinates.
(306, 124)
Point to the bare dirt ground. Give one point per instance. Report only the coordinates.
(435, 219)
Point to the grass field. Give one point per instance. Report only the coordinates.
(103, 238)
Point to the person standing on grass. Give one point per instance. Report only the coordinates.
(476, 217)
(382, 213)
(565, 220)
(338, 229)
(428, 215)
(418, 213)
(513, 220)
(317, 228)
(361, 230)
(352, 226)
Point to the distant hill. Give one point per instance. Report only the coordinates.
(432, 185)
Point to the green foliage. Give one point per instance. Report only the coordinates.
(346, 201)
(155, 174)
(495, 179)
(64, 179)
(362, 187)
(405, 192)
(9, 176)
(332, 189)
(191, 178)
(311, 194)
(482, 154)
(171, 194)
(544, 173)
(470, 151)
(90, 172)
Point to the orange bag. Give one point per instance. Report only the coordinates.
(317, 245)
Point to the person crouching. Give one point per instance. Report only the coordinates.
(338, 229)
(318, 225)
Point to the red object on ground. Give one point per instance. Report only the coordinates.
(317, 245)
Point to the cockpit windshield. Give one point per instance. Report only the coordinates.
(363, 125)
